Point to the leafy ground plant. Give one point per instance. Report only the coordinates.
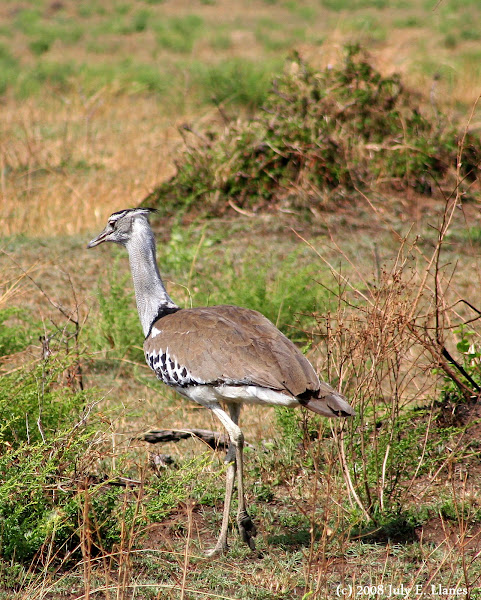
(64, 500)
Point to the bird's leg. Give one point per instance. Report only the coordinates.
(221, 544)
(247, 529)
(230, 459)
(231, 427)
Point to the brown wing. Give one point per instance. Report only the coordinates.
(233, 345)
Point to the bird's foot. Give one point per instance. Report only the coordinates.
(247, 529)
(220, 548)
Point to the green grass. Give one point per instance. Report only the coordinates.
(163, 39)
(354, 4)
(179, 34)
(408, 22)
(43, 31)
(271, 287)
(233, 82)
(241, 83)
(366, 28)
(89, 8)
(56, 75)
(126, 24)
(8, 68)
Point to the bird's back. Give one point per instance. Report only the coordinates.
(231, 345)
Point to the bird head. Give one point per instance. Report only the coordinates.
(120, 226)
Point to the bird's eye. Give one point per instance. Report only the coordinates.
(112, 224)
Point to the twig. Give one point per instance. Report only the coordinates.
(241, 211)
(347, 476)
(217, 441)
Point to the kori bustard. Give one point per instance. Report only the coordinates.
(217, 354)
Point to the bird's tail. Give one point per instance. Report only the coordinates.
(328, 402)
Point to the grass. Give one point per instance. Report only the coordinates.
(315, 534)
(96, 101)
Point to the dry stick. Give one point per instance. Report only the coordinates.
(448, 215)
(87, 410)
(459, 542)
(240, 210)
(445, 462)
(186, 551)
(447, 219)
(465, 132)
(76, 321)
(59, 307)
(322, 573)
(463, 301)
(383, 472)
(125, 552)
(313, 504)
(342, 447)
(341, 438)
(86, 544)
(13, 287)
(217, 441)
(463, 528)
(37, 594)
(67, 314)
(437, 356)
(423, 452)
(123, 568)
(460, 368)
(344, 462)
(347, 477)
(194, 261)
(337, 273)
(49, 557)
(437, 285)
(444, 351)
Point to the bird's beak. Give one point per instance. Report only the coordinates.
(99, 239)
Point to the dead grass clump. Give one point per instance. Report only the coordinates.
(400, 343)
(404, 345)
(342, 128)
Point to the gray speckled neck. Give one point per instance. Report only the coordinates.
(150, 293)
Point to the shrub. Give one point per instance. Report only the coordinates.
(338, 129)
(34, 403)
(31, 495)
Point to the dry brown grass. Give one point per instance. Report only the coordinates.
(67, 163)
(67, 159)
